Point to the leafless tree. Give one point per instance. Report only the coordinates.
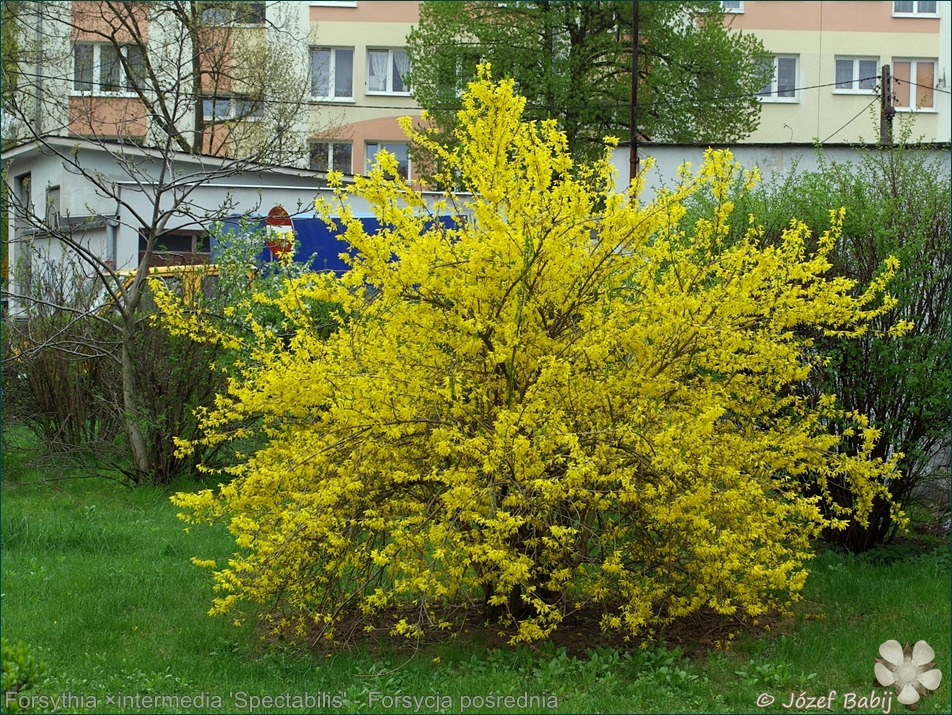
(173, 95)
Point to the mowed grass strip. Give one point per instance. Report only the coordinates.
(96, 579)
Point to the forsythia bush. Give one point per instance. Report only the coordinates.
(569, 398)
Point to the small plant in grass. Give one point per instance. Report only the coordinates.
(21, 672)
(569, 401)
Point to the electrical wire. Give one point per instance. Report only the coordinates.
(864, 109)
(343, 105)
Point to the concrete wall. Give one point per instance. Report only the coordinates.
(771, 159)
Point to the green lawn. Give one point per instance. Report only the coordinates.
(96, 579)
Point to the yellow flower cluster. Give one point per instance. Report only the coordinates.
(564, 398)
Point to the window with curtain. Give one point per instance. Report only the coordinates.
(223, 109)
(219, 14)
(332, 156)
(856, 74)
(387, 71)
(914, 84)
(332, 72)
(914, 7)
(98, 69)
(400, 150)
(783, 86)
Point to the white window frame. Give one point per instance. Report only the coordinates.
(97, 91)
(330, 144)
(854, 87)
(385, 145)
(232, 115)
(405, 92)
(913, 79)
(228, 18)
(332, 75)
(773, 96)
(737, 9)
(916, 12)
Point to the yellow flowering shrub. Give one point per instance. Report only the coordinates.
(565, 398)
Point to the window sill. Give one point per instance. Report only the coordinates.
(334, 100)
(856, 92)
(374, 93)
(208, 121)
(779, 100)
(105, 95)
(923, 15)
(917, 110)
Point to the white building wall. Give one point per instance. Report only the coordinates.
(944, 73)
(770, 159)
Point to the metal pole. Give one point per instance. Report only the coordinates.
(633, 155)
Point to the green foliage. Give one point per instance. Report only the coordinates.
(240, 273)
(897, 203)
(9, 50)
(61, 361)
(572, 61)
(21, 672)
(57, 374)
(175, 377)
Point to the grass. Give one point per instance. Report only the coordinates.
(96, 579)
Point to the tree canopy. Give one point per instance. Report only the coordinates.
(572, 61)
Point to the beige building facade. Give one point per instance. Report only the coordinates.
(358, 64)
(828, 58)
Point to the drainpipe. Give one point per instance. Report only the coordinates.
(113, 224)
(38, 120)
(113, 238)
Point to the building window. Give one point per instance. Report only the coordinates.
(400, 150)
(332, 156)
(53, 206)
(24, 196)
(97, 68)
(732, 6)
(332, 72)
(911, 8)
(854, 74)
(218, 14)
(913, 84)
(455, 71)
(386, 70)
(223, 109)
(177, 248)
(783, 86)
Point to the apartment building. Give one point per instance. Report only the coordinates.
(828, 59)
(333, 72)
(358, 69)
(127, 117)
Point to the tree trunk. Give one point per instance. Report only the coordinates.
(130, 413)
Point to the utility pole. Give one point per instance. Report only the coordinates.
(886, 109)
(633, 154)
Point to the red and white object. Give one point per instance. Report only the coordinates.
(279, 231)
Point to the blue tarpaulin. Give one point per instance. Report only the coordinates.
(317, 244)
